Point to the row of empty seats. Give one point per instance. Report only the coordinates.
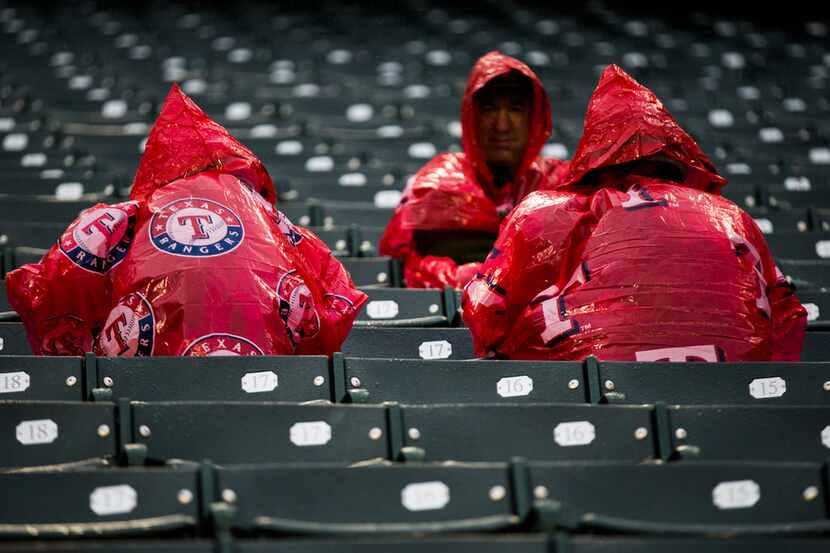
(351, 379)
(705, 498)
(51, 433)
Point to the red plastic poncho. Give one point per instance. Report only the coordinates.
(198, 262)
(633, 268)
(456, 191)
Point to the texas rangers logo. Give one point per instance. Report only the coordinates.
(100, 238)
(195, 227)
(219, 345)
(130, 329)
(296, 308)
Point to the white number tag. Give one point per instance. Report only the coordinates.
(797, 184)
(382, 309)
(813, 311)
(113, 500)
(264, 381)
(765, 225)
(825, 437)
(569, 434)
(823, 248)
(762, 388)
(820, 156)
(425, 496)
(43, 431)
(387, 199)
(305, 434)
(33, 160)
(514, 386)
(14, 382)
(740, 494)
(440, 349)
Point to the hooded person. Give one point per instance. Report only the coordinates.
(199, 261)
(636, 257)
(450, 212)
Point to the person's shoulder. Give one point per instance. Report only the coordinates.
(445, 171)
(543, 200)
(444, 163)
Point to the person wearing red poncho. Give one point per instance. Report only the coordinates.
(199, 261)
(635, 257)
(451, 210)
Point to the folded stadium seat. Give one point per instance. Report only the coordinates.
(329, 213)
(820, 217)
(772, 221)
(806, 275)
(25, 254)
(813, 246)
(297, 212)
(817, 305)
(458, 320)
(334, 107)
(370, 500)
(260, 432)
(816, 347)
(750, 433)
(408, 343)
(299, 149)
(366, 240)
(401, 307)
(578, 543)
(5, 308)
(336, 238)
(13, 340)
(285, 378)
(112, 545)
(465, 543)
(483, 432)
(41, 378)
(111, 111)
(745, 195)
(20, 138)
(99, 503)
(379, 188)
(714, 383)
(34, 235)
(36, 433)
(410, 154)
(309, 165)
(373, 131)
(41, 211)
(244, 113)
(373, 271)
(417, 382)
(129, 143)
(781, 197)
(696, 498)
(59, 184)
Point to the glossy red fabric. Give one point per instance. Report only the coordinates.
(626, 267)
(454, 191)
(198, 262)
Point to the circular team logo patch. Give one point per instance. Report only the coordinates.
(100, 238)
(216, 345)
(195, 227)
(296, 308)
(130, 329)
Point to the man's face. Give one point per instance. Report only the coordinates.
(503, 122)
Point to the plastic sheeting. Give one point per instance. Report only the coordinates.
(198, 262)
(626, 264)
